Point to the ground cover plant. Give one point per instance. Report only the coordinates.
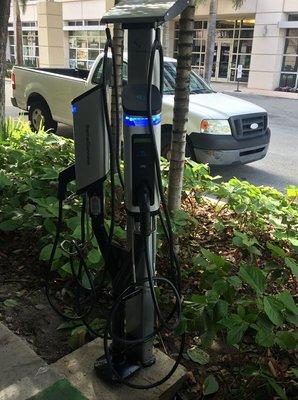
(238, 251)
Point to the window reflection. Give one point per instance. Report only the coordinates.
(238, 34)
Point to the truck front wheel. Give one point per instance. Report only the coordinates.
(40, 117)
(166, 137)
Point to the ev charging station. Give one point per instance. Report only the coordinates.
(135, 318)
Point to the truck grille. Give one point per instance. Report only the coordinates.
(248, 126)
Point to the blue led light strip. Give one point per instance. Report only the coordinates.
(74, 108)
(131, 120)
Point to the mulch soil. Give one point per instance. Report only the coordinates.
(22, 280)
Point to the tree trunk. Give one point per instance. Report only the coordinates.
(118, 38)
(210, 40)
(18, 33)
(166, 39)
(4, 15)
(181, 106)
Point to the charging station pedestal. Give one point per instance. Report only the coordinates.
(138, 316)
(133, 321)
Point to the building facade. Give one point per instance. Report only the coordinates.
(262, 36)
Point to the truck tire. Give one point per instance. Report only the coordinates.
(166, 137)
(40, 116)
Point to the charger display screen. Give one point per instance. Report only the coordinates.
(143, 166)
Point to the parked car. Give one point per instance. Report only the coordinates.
(221, 130)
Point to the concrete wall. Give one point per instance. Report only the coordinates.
(87, 9)
(50, 34)
(269, 42)
(226, 9)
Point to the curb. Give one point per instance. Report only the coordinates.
(24, 375)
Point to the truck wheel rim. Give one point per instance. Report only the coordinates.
(37, 118)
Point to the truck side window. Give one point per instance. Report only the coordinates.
(97, 76)
(124, 73)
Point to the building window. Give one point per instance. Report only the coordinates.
(289, 70)
(233, 47)
(84, 47)
(30, 47)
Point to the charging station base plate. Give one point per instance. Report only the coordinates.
(78, 368)
(105, 372)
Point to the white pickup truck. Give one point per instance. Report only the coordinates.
(221, 129)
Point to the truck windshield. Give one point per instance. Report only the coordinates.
(197, 84)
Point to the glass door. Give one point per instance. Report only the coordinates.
(223, 60)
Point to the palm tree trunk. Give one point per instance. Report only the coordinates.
(118, 47)
(4, 15)
(18, 33)
(210, 40)
(118, 38)
(181, 106)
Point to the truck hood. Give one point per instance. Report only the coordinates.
(217, 105)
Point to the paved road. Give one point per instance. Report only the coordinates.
(279, 168)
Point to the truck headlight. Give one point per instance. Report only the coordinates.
(215, 126)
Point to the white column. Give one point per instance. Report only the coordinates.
(268, 45)
(50, 34)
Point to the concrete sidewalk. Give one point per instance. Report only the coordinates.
(230, 87)
(24, 375)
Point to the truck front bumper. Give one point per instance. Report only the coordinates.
(226, 150)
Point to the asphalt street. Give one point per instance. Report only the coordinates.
(278, 169)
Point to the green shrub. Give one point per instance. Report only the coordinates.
(238, 253)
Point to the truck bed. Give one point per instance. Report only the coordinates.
(74, 73)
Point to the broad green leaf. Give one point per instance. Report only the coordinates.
(220, 286)
(254, 250)
(46, 253)
(214, 258)
(265, 338)
(73, 222)
(4, 180)
(10, 303)
(241, 311)
(276, 250)
(236, 328)
(181, 328)
(235, 281)
(286, 298)
(210, 385)
(8, 225)
(290, 263)
(86, 281)
(286, 340)
(118, 231)
(293, 319)
(292, 191)
(295, 372)
(221, 310)
(68, 325)
(30, 208)
(94, 256)
(272, 310)
(198, 355)
(200, 261)
(254, 277)
(77, 233)
(236, 333)
(49, 225)
(278, 389)
(293, 241)
(78, 336)
(196, 298)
